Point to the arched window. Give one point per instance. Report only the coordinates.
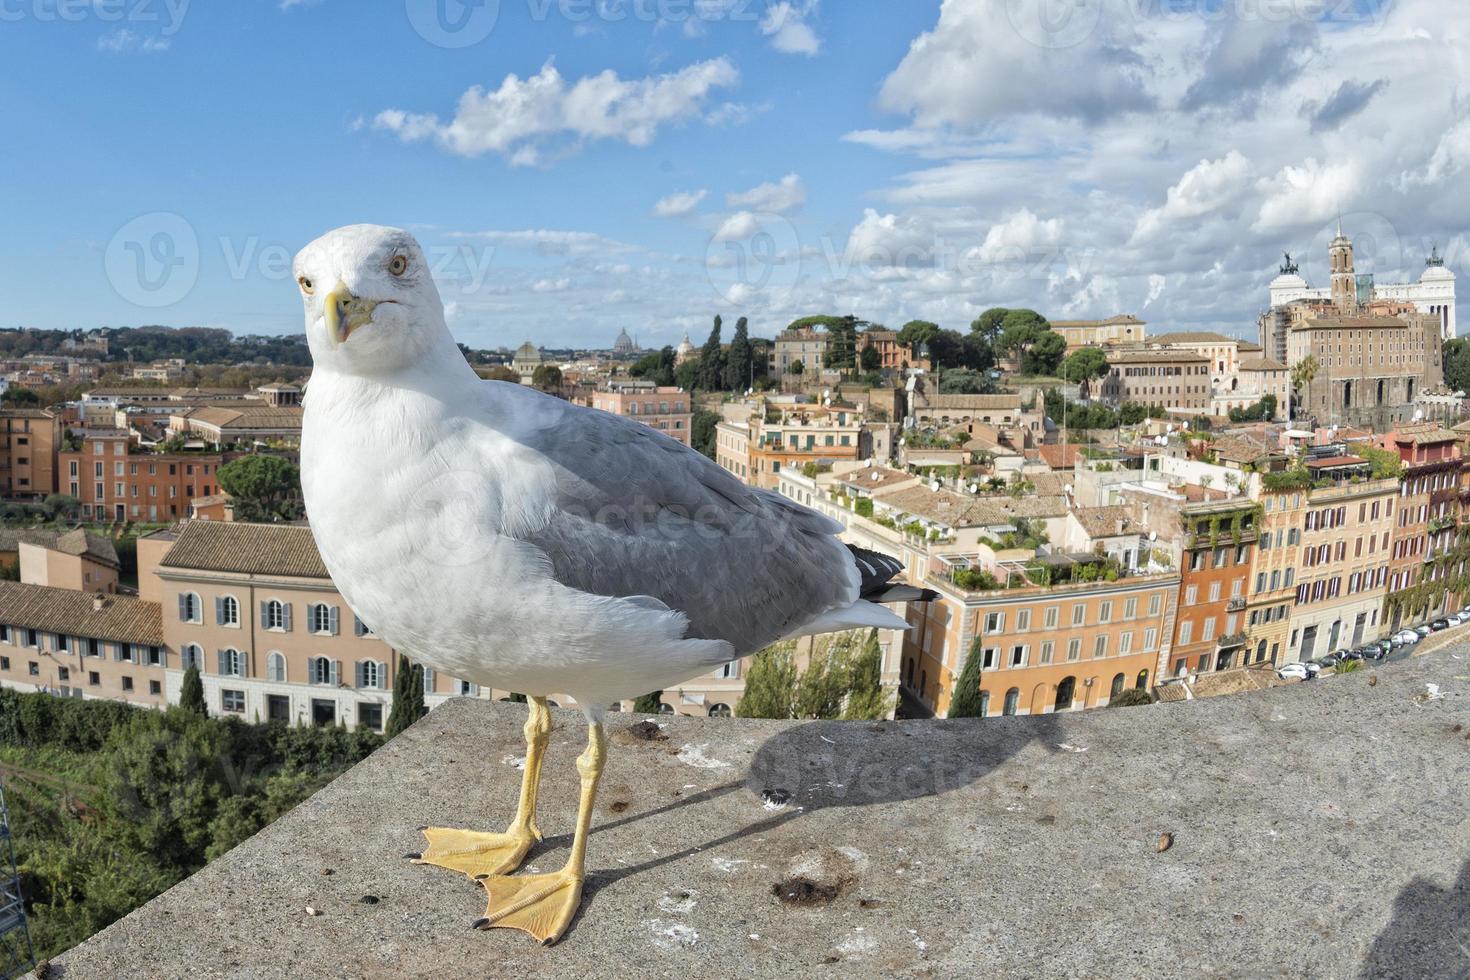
(322, 618)
(984, 704)
(664, 708)
(1142, 684)
(191, 610)
(1013, 699)
(231, 663)
(370, 674)
(274, 617)
(720, 711)
(191, 655)
(227, 610)
(275, 667)
(1065, 691)
(320, 670)
(1117, 689)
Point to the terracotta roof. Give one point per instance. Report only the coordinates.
(1119, 357)
(1106, 522)
(1060, 456)
(1193, 337)
(876, 478)
(77, 542)
(248, 417)
(1261, 364)
(251, 549)
(1422, 435)
(26, 413)
(1010, 402)
(1334, 461)
(122, 619)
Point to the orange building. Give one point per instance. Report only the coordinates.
(1219, 539)
(116, 483)
(28, 446)
(1045, 649)
(892, 354)
(669, 410)
(1428, 509)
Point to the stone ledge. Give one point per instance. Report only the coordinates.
(1318, 830)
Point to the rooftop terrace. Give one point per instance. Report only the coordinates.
(1317, 830)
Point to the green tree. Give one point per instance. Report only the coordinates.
(656, 366)
(964, 382)
(1457, 364)
(649, 704)
(17, 397)
(712, 361)
(842, 344)
(702, 431)
(870, 360)
(866, 698)
(917, 332)
(60, 506)
(264, 486)
(547, 377)
(770, 684)
(1085, 364)
(501, 373)
(988, 324)
(408, 696)
(1044, 355)
(1018, 330)
(740, 365)
(1130, 696)
(191, 693)
(686, 375)
(796, 367)
(964, 701)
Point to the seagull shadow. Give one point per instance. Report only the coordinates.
(1428, 935)
(823, 765)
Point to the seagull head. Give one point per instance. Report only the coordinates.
(371, 304)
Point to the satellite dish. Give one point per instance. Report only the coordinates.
(1153, 535)
(934, 486)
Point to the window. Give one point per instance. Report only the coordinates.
(371, 674)
(1125, 643)
(468, 690)
(1079, 613)
(320, 670)
(988, 658)
(127, 683)
(370, 716)
(227, 611)
(323, 618)
(1047, 649)
(34, 669)
(1023, 620)
(720, 711)
(191, 610)
(1191, 595)
(1186, 632)
(1130, 609)
(428, 680)
(278, 708)
(4, 663)
(1052, 612)
(190, 656)
(1100, 647)
(93, 678)
(1013, 698)
(995, 622)
(359, 628)
(1074, 649)
(232, 701)
(1155, 604)
(275, 667)
(1018, 656)
(231, 663)
(275, 615)
(1105, 612)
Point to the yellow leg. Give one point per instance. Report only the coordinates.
(543, 905)
(480, 854)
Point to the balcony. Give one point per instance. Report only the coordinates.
(688, 865)
(1236, 604)
(1231, 640)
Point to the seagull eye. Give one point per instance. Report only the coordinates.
(306, 285)
(398, 265)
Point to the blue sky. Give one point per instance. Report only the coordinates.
(892, 159)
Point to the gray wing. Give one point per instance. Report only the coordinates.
(637, 513)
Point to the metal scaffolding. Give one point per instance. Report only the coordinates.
(16, 956)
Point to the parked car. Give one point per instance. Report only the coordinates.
(1439, 624)
(1328, 660)
(1354, 654)
(1457, 619)
(1423, 630)
(1368, 651)
(1406, 637)
(1296, 672)
(1386, 645)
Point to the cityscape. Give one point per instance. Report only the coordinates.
(1126, 467)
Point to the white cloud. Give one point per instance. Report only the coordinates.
(776, 198)
(737, 227)
(292, 4)
(1208, 185)
(549, 241)
(1019, 236)
(125, 40)
(551, 285)
(1451, 156)
(1307, 194)
(678, 204)
(786, 25)
(529, 121)
(889, 240)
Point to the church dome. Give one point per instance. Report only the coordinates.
(685, 347)
(528, 352)
(624, 343)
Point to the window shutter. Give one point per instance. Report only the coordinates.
(336, 676)
(219, 609)
(428, 680)
(286, 616)
(184, 607)
(358, 629)
(360, 680)
(224, 662)
(382, 675)
(265, 615)
(332, 620)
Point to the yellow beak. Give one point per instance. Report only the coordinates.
(344, 313)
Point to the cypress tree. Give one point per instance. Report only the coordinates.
(866, 699)
(770, 684)
(191, 696)
(712, 361)
(648, 703)
(408, 696)
(738, 367)
(964, 702)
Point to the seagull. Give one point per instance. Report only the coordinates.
(515, 540)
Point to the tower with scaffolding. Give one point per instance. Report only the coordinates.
(16, 956)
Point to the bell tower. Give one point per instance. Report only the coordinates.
(1344, 278)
